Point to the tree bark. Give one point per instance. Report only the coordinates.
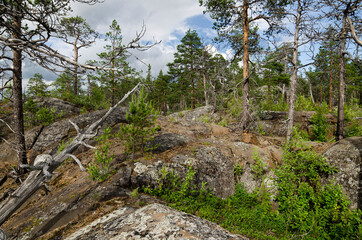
(330, 83)
(245, 103)
(18, 97)
(294, 77)
(204, 76)
(340, 117)
(75, 74)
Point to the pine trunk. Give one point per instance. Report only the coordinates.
(245, 113)
(75, 74)
(18, 98)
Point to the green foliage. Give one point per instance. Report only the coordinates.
(235, 107)
(238, 171)
(99, 169)
(351, 113)
(306, 208)
(355, 129)
(223, 122)
(304, 104)
(45, 115)
(141, 117)
(279, 105)
(37, 86)
(258, 167)
(310, 209)
(320, 126)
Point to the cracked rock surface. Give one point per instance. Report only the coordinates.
(154, 221)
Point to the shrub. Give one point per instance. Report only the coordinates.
(307, 210)
(310, 209)
(303, 103)
(320, 126)
(45, 115)
(141, 117)
(99, 169)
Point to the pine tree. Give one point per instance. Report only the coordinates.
(233, 21)
(37, 86)
(186, 66)
(141, 117)
(115, 57)
(76, 32)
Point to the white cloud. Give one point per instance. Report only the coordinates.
(164, 20)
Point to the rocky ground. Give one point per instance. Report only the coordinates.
(79, 208)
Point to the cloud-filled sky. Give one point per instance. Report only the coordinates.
(165, 21)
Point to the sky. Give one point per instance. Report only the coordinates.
(165, 21)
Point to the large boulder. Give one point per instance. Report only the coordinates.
(65, 109)
(273, 123)
(345, 155)
(52, 135)
(154, 221)
(164, 142)
(211, 165)
(201, 114)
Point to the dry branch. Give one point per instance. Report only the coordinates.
(39, 176)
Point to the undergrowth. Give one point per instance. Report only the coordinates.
(306, 208)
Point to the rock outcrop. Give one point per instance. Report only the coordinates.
(210, 164)
(154, 222)
(65, 109)
(273, 123)
(345, 155)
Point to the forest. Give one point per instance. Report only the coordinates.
(262, 73)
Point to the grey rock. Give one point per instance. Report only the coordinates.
(273, 123)
(167, 141)
(146, 175)
(195, 115)
(210, 164)
(217, 169)
(345, 155)
(124, 176)
(154, 221)
(65, 109)
(53, 134)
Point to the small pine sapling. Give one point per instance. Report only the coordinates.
(141, 117)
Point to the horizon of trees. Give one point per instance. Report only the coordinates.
(197, 76)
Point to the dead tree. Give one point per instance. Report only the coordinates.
(46, 164)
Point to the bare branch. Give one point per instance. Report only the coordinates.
(353, 32)
(77, 161)
(7, 125)
(36, 179)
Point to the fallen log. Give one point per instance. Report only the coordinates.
(41, 172)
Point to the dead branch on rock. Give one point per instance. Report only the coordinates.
(43, 169)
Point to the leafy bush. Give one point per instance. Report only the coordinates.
(320, 126)
(304, 104)
(355, 129)
(258, 167)
(280, 105)
(99, 169)
(310, 209)
(307, 210)
(45, 115)
(141, 117)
